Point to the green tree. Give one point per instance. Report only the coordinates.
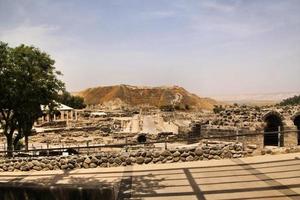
(8, 94)
(218, 108)
(32, 82)
(291, 101)
(72, 101)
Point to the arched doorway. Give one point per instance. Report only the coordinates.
(297, 124)
(273, 122)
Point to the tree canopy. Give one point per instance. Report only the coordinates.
(291, 101)
(28, 79)
(72, 101)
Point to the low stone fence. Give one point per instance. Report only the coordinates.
(206, 150)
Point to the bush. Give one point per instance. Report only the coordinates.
(290, 101)
(217, 109)
(167, 108)
(75, 102)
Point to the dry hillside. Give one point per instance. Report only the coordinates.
(153, 96)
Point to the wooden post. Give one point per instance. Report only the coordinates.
(126, 147)
(166, 145)
(279, 135)
(47, 149)
(88, 149)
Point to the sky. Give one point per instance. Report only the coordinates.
(209, 47)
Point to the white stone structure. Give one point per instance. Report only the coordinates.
(66, 113)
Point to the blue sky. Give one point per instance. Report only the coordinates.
(210, 47)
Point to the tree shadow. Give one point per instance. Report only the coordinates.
(71, 186)
(132, 187)
(77, 188)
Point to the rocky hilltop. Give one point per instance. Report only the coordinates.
(152, 96)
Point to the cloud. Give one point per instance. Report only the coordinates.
(236, 29)
(42, 36)
(218, 6)
(158, 14)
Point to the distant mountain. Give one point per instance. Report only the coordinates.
(256, 99)
(153, 96)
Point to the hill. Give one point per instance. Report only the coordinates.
(152, 96)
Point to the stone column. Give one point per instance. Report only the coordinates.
(47, 118)
(291, 136)
(62, 115)
(67, 118)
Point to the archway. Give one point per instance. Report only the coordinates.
(273, 122)
(297, 124)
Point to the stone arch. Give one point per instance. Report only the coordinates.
(273, 120)
(296, 120)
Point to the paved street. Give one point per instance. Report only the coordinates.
(261, 177)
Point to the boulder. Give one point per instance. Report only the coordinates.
(70, 166)
(62, 162)
(85, 165)
(93, 165)
(128, 161)
(176, 159)
(176, 154)
(103, 165)
(118, 161)
(37, 168)
(189, 158)
(156, 154)
(64, 167)
(148, 160)
(184, 154)
(23, 168)
(140, 160)
(199, 151)
(166, 153)
(87, 161)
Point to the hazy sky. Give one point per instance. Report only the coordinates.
(207, 46)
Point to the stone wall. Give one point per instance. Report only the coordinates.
(229, 135)
(206, 150)
(290, 137)
(256, 137)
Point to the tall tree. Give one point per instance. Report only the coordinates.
(8, 94)
(35, 83)
(38, 85)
